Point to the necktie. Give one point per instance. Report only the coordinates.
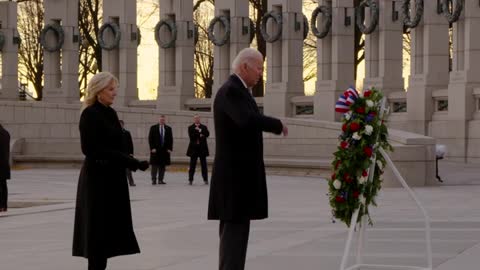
(161, 135)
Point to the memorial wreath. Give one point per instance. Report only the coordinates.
(363, 133)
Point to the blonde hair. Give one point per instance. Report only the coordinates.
(96, 85)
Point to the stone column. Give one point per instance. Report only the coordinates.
(122, 61)
(335, 67)
(285, 60)
(176, 63)
(9, 51)
(465, 76)
(61, 67)
(237, 11)
(428, 66)
(383, 51)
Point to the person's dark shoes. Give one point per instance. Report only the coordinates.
(190, 182)
(154, 182)
(161, 182)
(205, 182)
(132, 184)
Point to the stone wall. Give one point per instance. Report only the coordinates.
(49, 132)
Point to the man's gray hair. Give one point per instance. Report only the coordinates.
(244, 56)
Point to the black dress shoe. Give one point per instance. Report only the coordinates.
(154, 182)
(161, 182)
(205, 182)
(190, 182)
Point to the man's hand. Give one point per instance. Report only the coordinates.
(153, 151)
(285, 130)
(143, 165)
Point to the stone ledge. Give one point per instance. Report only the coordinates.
(269, 162)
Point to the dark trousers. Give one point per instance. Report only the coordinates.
(129, 177)
(97, 263)
(160, 170)
(3, 194)
(233, 244)
(193, 165)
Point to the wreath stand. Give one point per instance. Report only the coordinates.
(363, 223)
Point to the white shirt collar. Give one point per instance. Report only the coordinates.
(243, 82)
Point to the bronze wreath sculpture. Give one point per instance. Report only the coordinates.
(59, 34)
(456, 11)
(223, 20)
(327, 12)
(172, 28)
(116, 34)
(277, 18)
(407, 21)
(359, 16)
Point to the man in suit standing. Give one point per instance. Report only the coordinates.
(160, 139)
(127, 149)
(198, 148)
(4, 167)
(238, 191)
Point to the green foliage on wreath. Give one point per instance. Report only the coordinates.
(363, 133)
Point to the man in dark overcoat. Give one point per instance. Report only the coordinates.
(160, 139)
(127, 149)
(4, 167)
(238, 191)
(198, 148)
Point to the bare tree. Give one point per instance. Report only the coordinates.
(90, 57)
(30, 23)
(203, 57)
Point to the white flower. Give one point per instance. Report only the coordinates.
(362, 179)
(370, 103)
(368, 130)
(337, 184)
(362, 199)
(356, 136)
(380, 164)
(348, 115)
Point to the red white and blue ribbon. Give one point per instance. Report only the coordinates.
(344, 101)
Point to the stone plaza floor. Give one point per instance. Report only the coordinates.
(174, 234)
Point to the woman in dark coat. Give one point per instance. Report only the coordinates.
(103, 220)
(4, 167)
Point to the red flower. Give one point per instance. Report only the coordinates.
(354, 126)
(367, 93)
(339, 199)
(344, 127)
(355, 194)
(364, 173)
(368, 151)
(374, 113)
(344, 145)
(360, 110)
(347, 178)
(333, 176)
(338, 163)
